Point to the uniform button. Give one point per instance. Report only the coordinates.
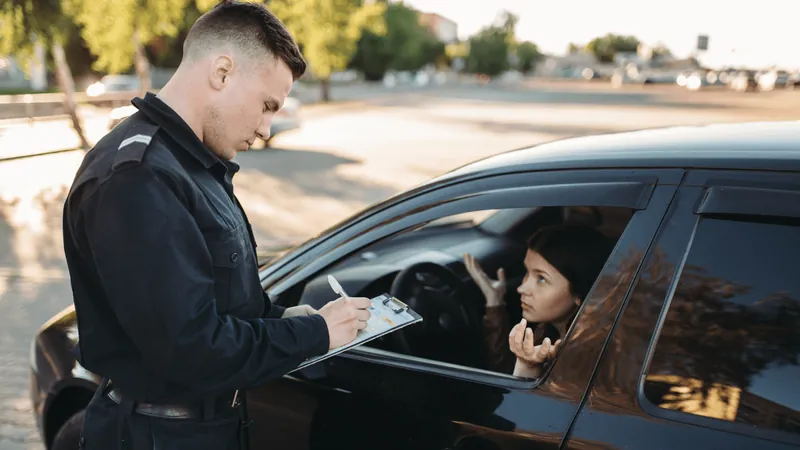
(234, 257)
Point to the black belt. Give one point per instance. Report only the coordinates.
(200, 410)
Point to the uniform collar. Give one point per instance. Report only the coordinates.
(164, 116)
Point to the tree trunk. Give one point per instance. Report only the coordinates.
(67, 86)
(142, 65)
(325, 87)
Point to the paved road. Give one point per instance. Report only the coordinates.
(344, 158)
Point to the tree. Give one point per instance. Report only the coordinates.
(574, 48)
(28, 22)
(528, 55)
(120, 42)
(489, 49)
(167, 51)
(406, 45)
(328, 31)
(606, 47)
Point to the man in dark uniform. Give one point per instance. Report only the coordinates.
(162, 257)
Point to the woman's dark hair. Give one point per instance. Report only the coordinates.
(579, 252)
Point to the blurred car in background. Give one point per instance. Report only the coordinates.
(744, 81)
(113, 84)
(288, 118)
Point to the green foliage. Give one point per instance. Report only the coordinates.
(489, 49)
(406, 45)
(328, 30)
(205, 5)
(488, 53)
(606, 47)
(22, 22)
(109, 26)
(528, 55)
(167, 51)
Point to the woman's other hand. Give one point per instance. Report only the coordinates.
(494, 291)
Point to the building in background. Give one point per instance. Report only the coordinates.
(443, 28)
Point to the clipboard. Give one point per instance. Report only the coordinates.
(388, 314)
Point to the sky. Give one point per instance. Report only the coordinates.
(750, 32)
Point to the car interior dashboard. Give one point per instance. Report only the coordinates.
(371, 272)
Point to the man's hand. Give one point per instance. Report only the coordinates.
(300, 310)
(345, 316)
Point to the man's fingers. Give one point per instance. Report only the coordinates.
(360, 302)
(362, 315)
(501, 275)
(361, 324)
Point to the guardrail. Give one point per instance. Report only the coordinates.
(58, 97)
(38, 106)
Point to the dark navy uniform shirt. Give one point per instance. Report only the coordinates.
(164, 272)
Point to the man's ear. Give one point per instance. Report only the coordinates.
(220, 72)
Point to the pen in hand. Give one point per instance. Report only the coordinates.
(337, 288)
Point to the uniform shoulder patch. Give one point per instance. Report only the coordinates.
(133, 147)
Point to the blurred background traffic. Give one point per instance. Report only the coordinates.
(397, 92)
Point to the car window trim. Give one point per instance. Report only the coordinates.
(750, 201)
(332, 237)
(626, 194)
(431, 366)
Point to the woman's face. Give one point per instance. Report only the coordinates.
(544, 292)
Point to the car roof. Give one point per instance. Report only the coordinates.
(751, 145)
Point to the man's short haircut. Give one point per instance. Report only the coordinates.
(249, 27)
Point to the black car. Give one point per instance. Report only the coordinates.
(689, 339)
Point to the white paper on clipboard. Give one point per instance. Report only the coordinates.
(387, 314)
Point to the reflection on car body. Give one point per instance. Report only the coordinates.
(688, 338)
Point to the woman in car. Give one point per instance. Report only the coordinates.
(562, 263)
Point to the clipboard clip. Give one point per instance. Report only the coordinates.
(395, 305)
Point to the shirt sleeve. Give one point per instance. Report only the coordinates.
(156, 270)
(270, 310)
(496, 328)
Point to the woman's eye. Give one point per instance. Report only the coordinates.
(541, 279)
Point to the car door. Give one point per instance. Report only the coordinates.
(705, 354)
(370, 398)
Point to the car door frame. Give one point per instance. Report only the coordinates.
(616, 397)
(649, 191)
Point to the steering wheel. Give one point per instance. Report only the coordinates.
(452, 320)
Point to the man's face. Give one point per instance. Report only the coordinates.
(248, 97)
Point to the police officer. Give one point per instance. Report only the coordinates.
(162, 257)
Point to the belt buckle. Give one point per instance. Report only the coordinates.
(235, 401)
